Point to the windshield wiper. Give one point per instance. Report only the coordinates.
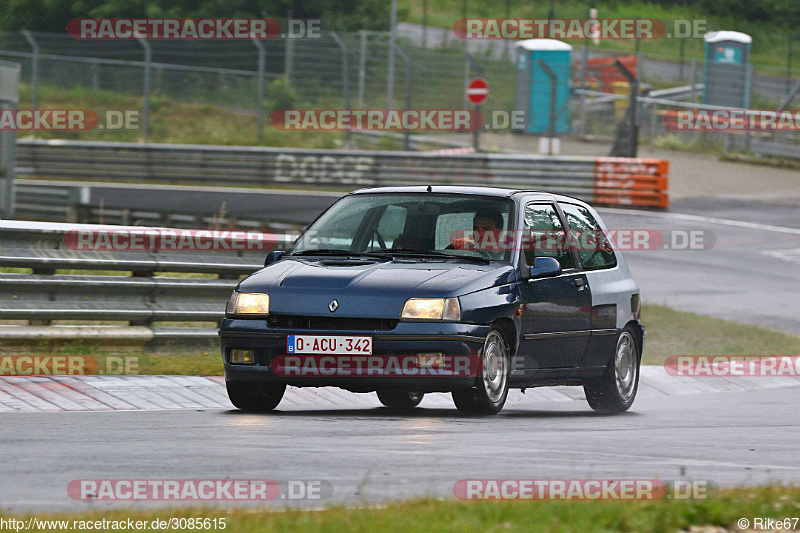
(335, 252)
(413, 252)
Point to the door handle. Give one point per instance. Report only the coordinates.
(578, 282)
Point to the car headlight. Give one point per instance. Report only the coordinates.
(248, 303)
(431, 309)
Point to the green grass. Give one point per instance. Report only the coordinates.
(172, 121)
(669, 332)
(722, 510)
(769, 48)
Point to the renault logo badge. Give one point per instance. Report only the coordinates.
(333, 306)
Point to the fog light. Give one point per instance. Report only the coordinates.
(430, 360)
(242, 357)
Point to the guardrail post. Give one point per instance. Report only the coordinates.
(345, 77)
(34, 68)
(148, 60)
(262, 65)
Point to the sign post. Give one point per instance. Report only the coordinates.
(477, 91)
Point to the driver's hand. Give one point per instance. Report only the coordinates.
(463, 243)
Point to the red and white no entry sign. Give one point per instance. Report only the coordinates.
(477, 91)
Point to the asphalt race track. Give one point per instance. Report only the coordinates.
(720, 432)
(369, 455)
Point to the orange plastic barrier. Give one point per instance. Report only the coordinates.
(631, 181)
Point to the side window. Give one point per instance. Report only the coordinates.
(593, 246)
(390, 226)
(545, 236)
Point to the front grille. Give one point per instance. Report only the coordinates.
(331, 323)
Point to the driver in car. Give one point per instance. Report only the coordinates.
(483, 222)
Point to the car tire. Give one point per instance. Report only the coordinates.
(489, 394)
(398, 399)
(255, 397)
(615, 391)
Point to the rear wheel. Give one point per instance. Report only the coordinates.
(398, 399)
(255, 397)
(491, 388)
(615, 391)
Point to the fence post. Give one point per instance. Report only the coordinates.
(262, 63)
(288, 60)
(94, 68)
(390, 73)
(9, 99)
(34, 68)
(409, 68)
(584, 65)
(345, 77)
(148, 61)
(466, 77)
(362, 68)
(693, 81)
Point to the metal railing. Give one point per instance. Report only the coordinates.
(343, 169)
(123, 286)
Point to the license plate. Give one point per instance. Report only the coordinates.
(328, 344)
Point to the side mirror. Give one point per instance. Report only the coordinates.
(272, 257)
(545, 267)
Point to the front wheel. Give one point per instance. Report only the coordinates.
(255, 397)
(491, 388)
(615, 391)
(397, 399)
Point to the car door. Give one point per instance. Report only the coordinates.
(555, 313)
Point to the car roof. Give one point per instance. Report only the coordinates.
(501, 192)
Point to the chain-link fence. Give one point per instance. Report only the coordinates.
(351, 70)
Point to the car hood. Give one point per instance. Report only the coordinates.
(305, 286)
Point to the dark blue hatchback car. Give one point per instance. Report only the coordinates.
(468, 290)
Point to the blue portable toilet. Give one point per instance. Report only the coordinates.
(533, 83)
(727, 69)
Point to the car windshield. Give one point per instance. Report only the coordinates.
(426, 225)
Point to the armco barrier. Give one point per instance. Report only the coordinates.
(638, 182)
(133, 296)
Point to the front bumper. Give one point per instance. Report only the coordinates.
(456, 341)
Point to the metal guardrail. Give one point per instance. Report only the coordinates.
(344, 169)
(761, 146)
(118, 286)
